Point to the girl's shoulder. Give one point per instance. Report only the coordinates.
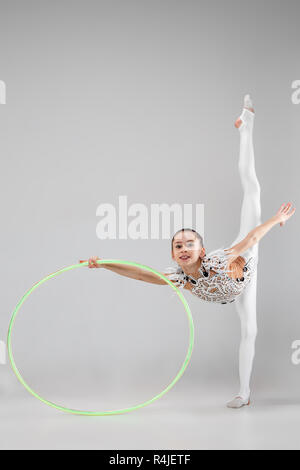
(219, 261)
(176, 275)
(216, 260)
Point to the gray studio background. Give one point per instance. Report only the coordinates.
(139, 98)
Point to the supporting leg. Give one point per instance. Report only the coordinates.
(246, 308)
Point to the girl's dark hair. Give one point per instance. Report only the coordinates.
(187, 230)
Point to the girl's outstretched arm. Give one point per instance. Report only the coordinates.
(283, 214)
(134, 272)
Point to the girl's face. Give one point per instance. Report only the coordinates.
(187, 249)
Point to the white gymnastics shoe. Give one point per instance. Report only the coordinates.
(248, 102)
(246, 119)
(238, 402)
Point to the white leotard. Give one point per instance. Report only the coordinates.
(219, 287)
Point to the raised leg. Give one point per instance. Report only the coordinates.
(250, 218)
(251, 208)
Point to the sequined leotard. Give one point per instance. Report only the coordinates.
(219, 287)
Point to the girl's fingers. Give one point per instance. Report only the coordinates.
(287, 207)
(281, 207)
(292, 212)
(92, 262)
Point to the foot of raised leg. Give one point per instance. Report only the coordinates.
(248, 105)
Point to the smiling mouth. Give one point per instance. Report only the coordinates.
(184, 258)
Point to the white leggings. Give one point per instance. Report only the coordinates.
(250, 218)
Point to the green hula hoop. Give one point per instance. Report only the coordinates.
(101, 413)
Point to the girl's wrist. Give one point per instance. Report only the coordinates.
(276, 219)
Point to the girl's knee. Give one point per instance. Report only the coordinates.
(249, 333)
(251, 187)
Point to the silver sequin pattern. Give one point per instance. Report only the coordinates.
(220, 288)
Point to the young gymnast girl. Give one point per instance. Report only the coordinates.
(224, 275)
